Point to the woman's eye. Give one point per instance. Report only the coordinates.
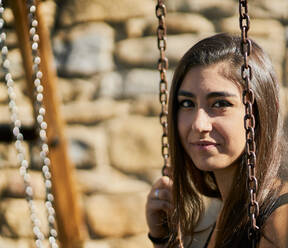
(221, 104)
(186, 103)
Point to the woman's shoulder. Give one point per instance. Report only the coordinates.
(275, 230)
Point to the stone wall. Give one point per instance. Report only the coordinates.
(106, 54)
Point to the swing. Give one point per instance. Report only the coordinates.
(248, 100)
(42, 126)
(31, 33)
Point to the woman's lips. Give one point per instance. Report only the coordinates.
(204, 145)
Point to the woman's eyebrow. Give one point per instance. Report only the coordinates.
(186, 93)
(220, 94)
(209, 95)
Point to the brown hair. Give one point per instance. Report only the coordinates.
(268, 132)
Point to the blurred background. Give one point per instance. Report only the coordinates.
(106, 57)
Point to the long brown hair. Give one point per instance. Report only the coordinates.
(189, 182)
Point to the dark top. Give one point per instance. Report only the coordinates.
(283, 199)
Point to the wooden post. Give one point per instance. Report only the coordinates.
(68, 214)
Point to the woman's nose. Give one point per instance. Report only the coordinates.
(201, 121)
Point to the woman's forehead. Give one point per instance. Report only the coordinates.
(209, 78)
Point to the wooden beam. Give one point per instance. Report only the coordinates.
(71, 228)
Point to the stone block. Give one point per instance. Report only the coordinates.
(111, 85)
(4, 157)
(15, 64)
(212, 9)
(116, 215)
(24, 113)
(179, 5)
(138, 51)
(3, 181)
(8, 155)
(3, 94)
(135, 27)
(81, 154)
(176, 23)
(91, 150)
(77, 89)
(85, 49)
(94, 139)
(188, 23)
(264, 9)
(144, 51)
(146, 105)
(16, 218)
(8, 17)
(15, 184)
(86, 112)
(13, 243)
(135, 143)
(101, 10)
(66, 90)
(139, 82)
(11, 38)
(109, 181)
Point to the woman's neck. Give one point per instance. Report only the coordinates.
(224, 179)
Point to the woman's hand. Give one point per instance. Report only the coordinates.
(159, 206)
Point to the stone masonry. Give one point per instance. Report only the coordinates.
(106, 54)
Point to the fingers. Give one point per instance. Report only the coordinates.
(161, 194)
(160, 205)
(163, 182)
(162, 189)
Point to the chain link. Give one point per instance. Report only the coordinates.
(24, 165)
(163, 86)
(249, 121)
(42, 125)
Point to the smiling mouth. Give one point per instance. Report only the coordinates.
(204, 145)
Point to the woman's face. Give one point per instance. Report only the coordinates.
(211, 117)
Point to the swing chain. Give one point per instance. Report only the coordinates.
(163, 86)
(249, 121)
(42, 125)
(24, 164)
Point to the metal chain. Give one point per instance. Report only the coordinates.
(163, 93)
(249, 122)
(163, 86)
(24, 165)
(42, 125)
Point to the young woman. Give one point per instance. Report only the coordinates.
(207, 144)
